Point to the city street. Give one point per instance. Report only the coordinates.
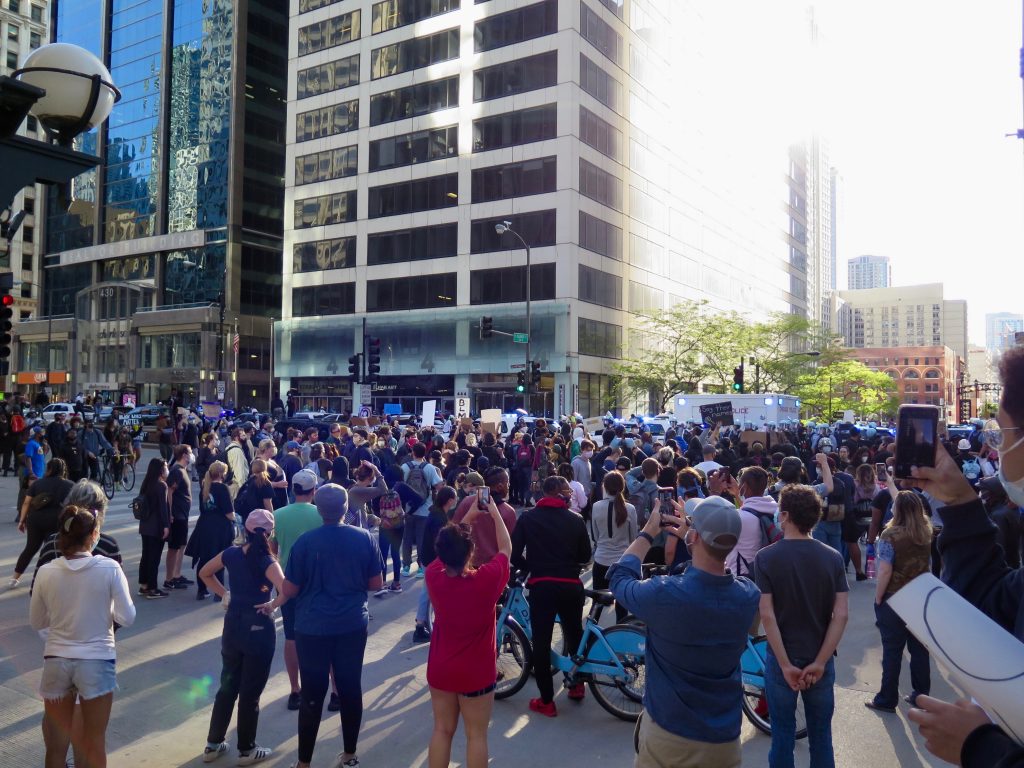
(168, 664)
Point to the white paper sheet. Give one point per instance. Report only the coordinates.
(429, 409)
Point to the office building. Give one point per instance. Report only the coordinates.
(414, 127)
(171, 249)
(865, 272)
(24, 27)
(924, 375)
(1001, 329)
(904, 316)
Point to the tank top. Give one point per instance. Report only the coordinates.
(247, 590)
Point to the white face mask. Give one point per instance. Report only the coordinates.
(588, 454)
(1014, 488)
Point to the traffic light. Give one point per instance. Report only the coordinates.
(535, 374)
(353, 369)
(6, 319)
(737, 379)
(486, 327)
(521, 381)
(372, 347)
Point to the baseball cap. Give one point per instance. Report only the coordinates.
(717, 521)
(475, 478)
(303, 481)
(291, 445)
(331, 501)
(259, 518)
(37, 430)
(964, 445)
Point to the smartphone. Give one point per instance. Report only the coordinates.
(665, 496)
(880, 472)
(724, 474)
(483, 497)
(917, 437)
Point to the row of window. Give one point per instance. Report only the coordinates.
(519, 76)
(327, 121)
(326, 165)
(516, 26)
(600, 34)
(329, 33)
(391, 14)
(419, 52)
(430, 194)
(415, 147)
(328, 77)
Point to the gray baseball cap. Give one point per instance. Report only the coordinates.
(717, 522)
(303, 481)
(331, 501)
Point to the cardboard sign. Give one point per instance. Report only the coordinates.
(466, 424)
(357, 421)
(461, 406)
(717, 412)
(429, 411)
(210, 411)
(489, 426)
(750, 437)
(373, 421)
(593, 425)
(490, 415)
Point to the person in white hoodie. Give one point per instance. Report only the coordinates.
(757, 516)
(76, 600)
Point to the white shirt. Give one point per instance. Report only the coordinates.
(78, 601)
(707, 467)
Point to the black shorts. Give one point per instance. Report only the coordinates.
(179, 534)
(853, 528)
(288, 619)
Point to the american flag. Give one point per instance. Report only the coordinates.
(234, 343)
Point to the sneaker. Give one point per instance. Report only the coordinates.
(350, 763)
(548, 710)
(13, 583)
(294, 701)
(153, 594)
(382, 592)
(879, 707)
(405, 571)
(421, 635)
(334, 705)
(212, 753)
(862, 577)
(183, 580)
(175, 585)
(418, 574)
(254, 755)
(202, 595)
(577, 692)
(395, 587)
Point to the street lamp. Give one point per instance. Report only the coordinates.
(501, 228)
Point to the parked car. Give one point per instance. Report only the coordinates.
(68, 409)
(146, 415)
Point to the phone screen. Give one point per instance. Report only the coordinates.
(917, 432)
(880, 472)
(665, 496)
(483, 497)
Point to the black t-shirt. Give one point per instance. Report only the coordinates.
(280, 494)
(48, 494)
(803, 577)
(181, 496)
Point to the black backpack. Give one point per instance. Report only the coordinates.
(247, 500)
(140, 507)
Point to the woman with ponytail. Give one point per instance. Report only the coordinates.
(613, 527)
(215, 528)
(249, 636)
(77, 598)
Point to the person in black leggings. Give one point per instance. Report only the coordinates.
(39, 513)
(557, 546)
(329, 571)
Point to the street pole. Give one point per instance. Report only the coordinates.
(270, 392)
(234, 346)
(529, 330)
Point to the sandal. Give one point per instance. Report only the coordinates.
(254, 755)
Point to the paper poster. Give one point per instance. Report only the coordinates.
(983, 658)
(429, 409)
(357, 421)
(490, 415)
(467, 424)
(461, 407)
(594, 425)
(211, 410)
(750, 437)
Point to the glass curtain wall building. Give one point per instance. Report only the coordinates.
(414, 126)
(173, 245)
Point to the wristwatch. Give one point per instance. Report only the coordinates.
(645, 535)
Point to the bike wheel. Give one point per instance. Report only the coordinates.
(755, 707)
(127, 477)
(513, 659)
(623, 698)
(107, 481)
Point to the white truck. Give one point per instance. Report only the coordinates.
(753, 410)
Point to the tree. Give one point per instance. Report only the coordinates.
(771, 344)
(846, 385)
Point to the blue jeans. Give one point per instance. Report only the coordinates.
(831, 534)
(895, 638)
(390, 540)
(423, 608)
(819, 704)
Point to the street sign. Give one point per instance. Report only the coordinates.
(518, 365)
(520, 338)
(221, 390)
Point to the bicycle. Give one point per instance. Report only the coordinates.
(109, 478)
(755, 704)
(610, 661)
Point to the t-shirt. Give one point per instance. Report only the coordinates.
(803, 577)
(290, 522)
(34, 451)
(485, 538)
(52, 491)
(463, 654)
(433, 478)
(181, 496)
(247, 589)
(332, 566)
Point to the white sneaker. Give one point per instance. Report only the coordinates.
(210, 753)
(13, 583)
(255, 755)
(382, 592)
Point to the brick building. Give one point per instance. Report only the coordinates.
(923, 375)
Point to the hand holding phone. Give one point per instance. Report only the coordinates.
(666, 496)
(483, 498)
(881, 473)
(917, 429)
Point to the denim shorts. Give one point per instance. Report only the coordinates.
(88, 678)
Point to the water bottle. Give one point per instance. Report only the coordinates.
(869, 566)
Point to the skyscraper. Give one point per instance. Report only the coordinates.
(1000, 330)
(869, 272)
(173, 245)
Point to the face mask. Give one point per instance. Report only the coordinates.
(1014, 488)
(588, 454)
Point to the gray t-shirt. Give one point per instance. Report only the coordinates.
(803, 577)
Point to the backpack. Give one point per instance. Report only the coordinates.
(229, 476)
(391, 511)
(972, 469)
(642, 498)
(524, 456)
(770, 532)
(417, 479)
(246, 500)
(140, 507)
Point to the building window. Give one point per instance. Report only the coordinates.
(420, 243)
(507, 285)
(599, 339)
(397, 13)
(179, 350)
(12, 32)
(644, 298)
(326, 209)
(418, 292)
(311, 5)
(34, 40)
(536, 228)
(529, 177)
(37, 14)
(416, 147)
(615, 6)
(519, 76)
(932, 374)
(419, 52)
(513, 128)
(515, 26)
(414, 100)
(597, 393)
(329, 164)
(327, 121)
(319, 255)
(329, 299)
(600, 236)
(599, 185)
(329, 33)
(328, 77)
(599, 34)
(12, 60)
(600, 84)
(428, 194)
(602, 136)
(599, 287)
(28, 234)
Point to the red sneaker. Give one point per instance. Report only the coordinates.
(548, 710)
(577, 692)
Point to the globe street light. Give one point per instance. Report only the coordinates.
(501, 228)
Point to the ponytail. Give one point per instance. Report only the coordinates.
(615, 487)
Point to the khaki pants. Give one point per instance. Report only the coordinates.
(661, 749)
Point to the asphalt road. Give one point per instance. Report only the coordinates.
(168, 666)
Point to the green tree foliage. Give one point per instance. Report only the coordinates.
(846, 385)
